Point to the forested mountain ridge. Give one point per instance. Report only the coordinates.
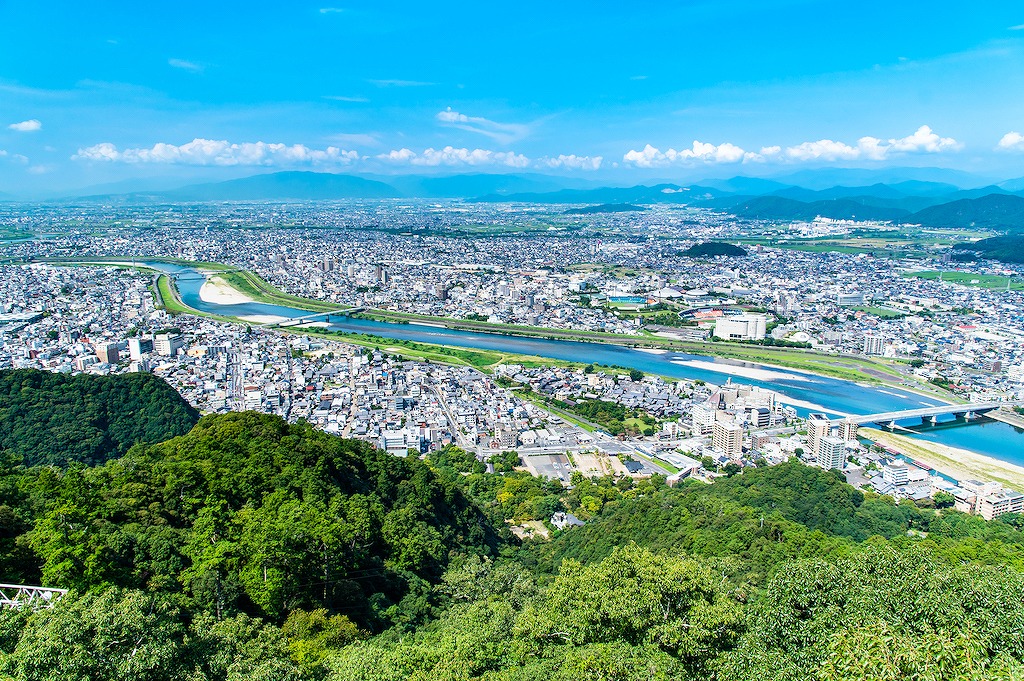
(55, 419)
(248, 513)
(254, 549)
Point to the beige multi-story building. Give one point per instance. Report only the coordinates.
(831, 453)
(992, 505)
(727, 437)
(703, 419)
(818, 427)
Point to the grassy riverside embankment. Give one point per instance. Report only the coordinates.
(959, 464)
(262, 291)
(857, 369)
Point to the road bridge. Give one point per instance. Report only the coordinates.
(928, 414)
(344, 312)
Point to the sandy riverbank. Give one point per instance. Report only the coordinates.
(263, 318)
(957, 463)
(758, 374)
(216, 290)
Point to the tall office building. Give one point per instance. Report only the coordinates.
(139, 347)
(727, 437)
(167, 344)
(873, 345)
(818, 427)
(831, 453)
(703, 419)
(107, 352)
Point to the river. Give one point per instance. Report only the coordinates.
(804, 391)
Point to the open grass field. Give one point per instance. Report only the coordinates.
(989, 281)
(883, 312)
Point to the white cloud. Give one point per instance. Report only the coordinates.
(651, 157)
(572, 162)
(30, 125)
(2, 153)
(1011, 141)
(331, 10)
(1018, 27)
(452, 156)
(924, 140)
(503, 133)
(826, 150)
(203, 152)
(186, 65)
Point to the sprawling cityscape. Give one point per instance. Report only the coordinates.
(625, 274)
(535, 341)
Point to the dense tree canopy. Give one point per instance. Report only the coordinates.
(48, 418)
(247, 513)
(254, 549)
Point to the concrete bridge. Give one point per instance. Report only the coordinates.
(313, 317)
(35, 597)
(929, 414)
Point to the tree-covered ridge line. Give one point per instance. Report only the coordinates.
(55, 419)
(254, 549)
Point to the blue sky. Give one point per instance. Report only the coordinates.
(101, 92)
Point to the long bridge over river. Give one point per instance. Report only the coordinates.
(344, 312)
(931, 415)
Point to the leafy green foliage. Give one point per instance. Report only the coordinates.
(254, 549)
(247, 513)
(55, 419)
(710, 249)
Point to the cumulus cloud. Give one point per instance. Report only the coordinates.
(652, 157)
(924, 140)
(503, 133)
(572, 162)
(452, 156)
(204, 152)
(1011, 141)
(186, 65)
(30, 125)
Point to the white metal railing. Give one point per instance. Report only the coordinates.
(21, 595)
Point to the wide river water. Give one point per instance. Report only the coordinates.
(805, 392)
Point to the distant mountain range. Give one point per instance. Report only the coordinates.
(927, 196)
(305, 185)
(606, 208)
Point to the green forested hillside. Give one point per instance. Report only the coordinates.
(48, 418)
(254, 549)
